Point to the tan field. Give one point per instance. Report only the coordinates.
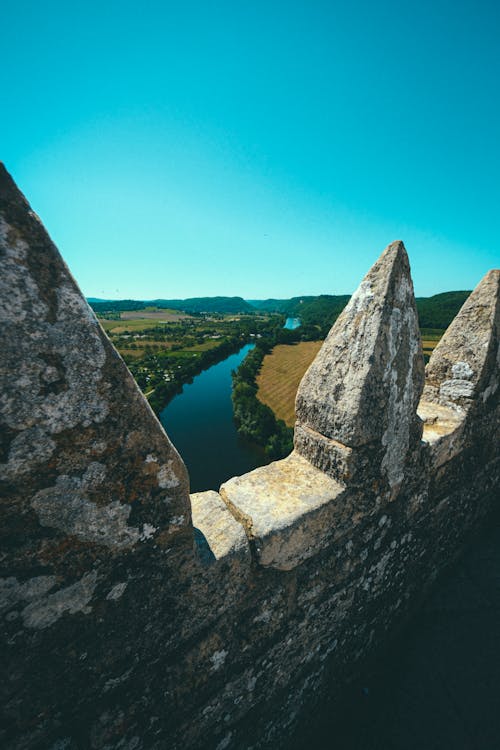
(139, 320)
(168, 316)
(429, 344)
(136, 325)
(280, 375)
(282, 371)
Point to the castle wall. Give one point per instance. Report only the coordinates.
(128, 625)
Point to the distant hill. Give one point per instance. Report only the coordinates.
(113, 305)
(322, 304)
(269, 305)
(191, 305)
(313, 310)
(434, 312)
(322, 310)
(438, 311)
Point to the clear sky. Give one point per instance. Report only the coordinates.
(261, 148)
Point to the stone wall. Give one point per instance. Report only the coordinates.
(129, 624)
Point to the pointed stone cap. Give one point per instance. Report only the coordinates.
(83, 460)
(365, 383)
(465, 365)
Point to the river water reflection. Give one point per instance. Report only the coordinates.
(292, 323)
(199, 421)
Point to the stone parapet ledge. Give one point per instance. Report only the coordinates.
(332, 457)
(288, 510)
(218, 535)
(443, 431)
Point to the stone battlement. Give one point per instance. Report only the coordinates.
(136, 616)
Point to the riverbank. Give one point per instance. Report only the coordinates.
(255, 420)
(180, 373)
(164, 352)
(200, 423)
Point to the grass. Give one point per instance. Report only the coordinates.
(280, 375)
(429, 343)
(139, 320)
(139, 324)
(151, 313)
(163, 346)
(138, 353)
(208, 344)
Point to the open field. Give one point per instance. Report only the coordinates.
(280, 375)
(169, 316)
(429, 343)
(136, 325)
(140, 320)
(139, 351)
(141, 348)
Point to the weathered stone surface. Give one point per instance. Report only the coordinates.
(365, 383)
(83, 456)
(438, 420)
(464, 365)
(462, 376)
(443, 431)
(96, 521)
(332, 457)
(287, 509)
(116, 633)
(224, 535)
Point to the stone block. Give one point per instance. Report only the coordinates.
(224, 536)
(288, 510)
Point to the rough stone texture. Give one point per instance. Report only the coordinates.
(362, 389)
(330, 456)
(73, 419)
(287, 509)
(91, 488)
(438, 420)
(122, 629)
(220, 531)
(466, 361)
(462, 376)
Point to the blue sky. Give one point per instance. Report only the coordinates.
(256, 149)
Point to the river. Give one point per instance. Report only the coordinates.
(292, 323)
(199, 421)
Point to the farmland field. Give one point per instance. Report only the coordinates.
(140, 320)
(142, 348)
(429, 343)
(139, 324)
(153, 314)
(164, 349)
(280, 375)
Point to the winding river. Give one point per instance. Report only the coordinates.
(199, 421)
